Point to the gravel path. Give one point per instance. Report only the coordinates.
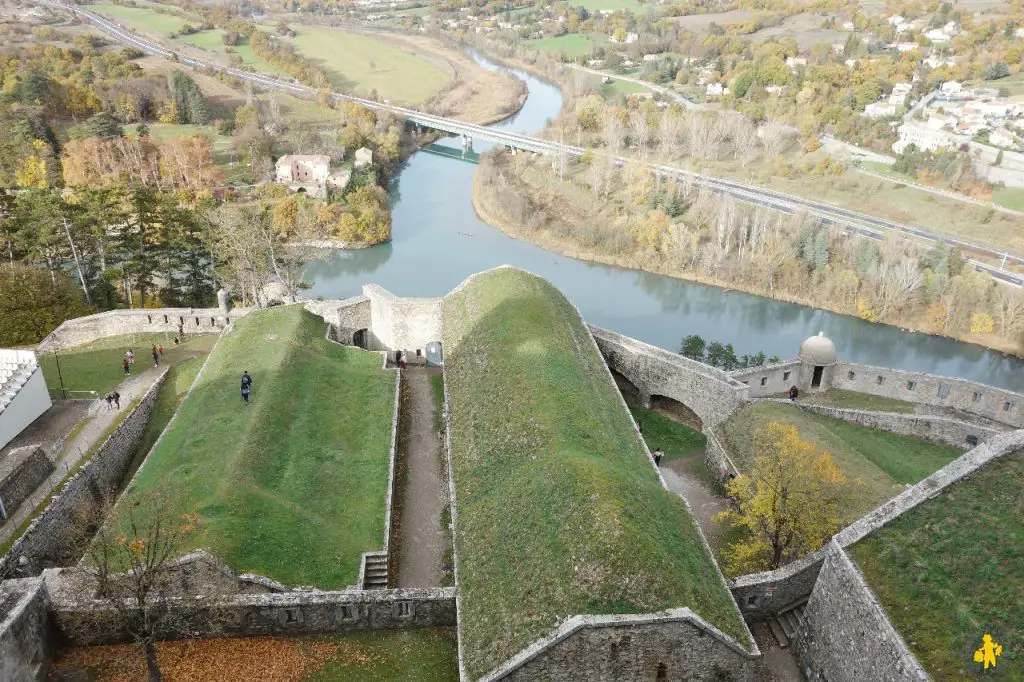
(422, 538)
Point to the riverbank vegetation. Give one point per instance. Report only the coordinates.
(591, 209)
(560, 511)
(877, 465)
(925, 568)
(319, 419)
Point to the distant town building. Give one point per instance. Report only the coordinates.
(936, 62)
(303, 168)
(793, 62)
(880, 110)
(923, 137)
(715, 90)
(1002, 138)
(951, 88)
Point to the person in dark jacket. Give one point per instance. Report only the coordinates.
(793, 393)
(246, 386)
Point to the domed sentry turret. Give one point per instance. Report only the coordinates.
(817, 360)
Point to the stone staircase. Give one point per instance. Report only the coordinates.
(785, 624)
(375, 571)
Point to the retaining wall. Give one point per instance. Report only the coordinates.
(761, 595)
(21, 472)
(845, 635)
(672, 645)
(46, 541)
(346, 317)
(1002, 406)
(398, 323)
(769, 379)
(709, 392)
(136, 321)
(27, 644)
(943, 430)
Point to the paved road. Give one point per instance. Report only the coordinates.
(849, 221)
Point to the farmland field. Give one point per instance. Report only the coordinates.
(145, 19)
(573, 44)
(357, 63)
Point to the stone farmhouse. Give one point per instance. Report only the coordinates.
(837, 616)
(310, 173)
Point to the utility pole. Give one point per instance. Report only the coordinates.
(59, 375)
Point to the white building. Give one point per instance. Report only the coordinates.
(880, 110)
(23, 394)
(951, 88)
(364, 157)
(1001, 138)
(936, 62)
(794, 62)
(896, 19)
(923, 137)
(715, 90)
(937, 36)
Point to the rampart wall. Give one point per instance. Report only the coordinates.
(845, 635)
(710, 393)
(136, 321)
(671, 645)
(46, 541)
(27, 644)
(346, 316)
(992, 403)
(398, 323)
(21, 472)
(769, 379)
(959, 434)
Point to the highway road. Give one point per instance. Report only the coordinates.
(852, 222)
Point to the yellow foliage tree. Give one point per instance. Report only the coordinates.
(788, 504)
(650, 231)
(865, 311)
(32, 171)
(982, 323)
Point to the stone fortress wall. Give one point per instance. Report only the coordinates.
(46, 541)
(137, 321)
(21, 472)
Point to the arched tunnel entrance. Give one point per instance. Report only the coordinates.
(626, 387)
(676, 411)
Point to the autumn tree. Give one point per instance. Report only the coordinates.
(787, 505)
(32, 305)
(128, 575)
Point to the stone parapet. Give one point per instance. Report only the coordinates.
(137, 321)
(27, 644)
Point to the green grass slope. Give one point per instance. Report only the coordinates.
(559, 511)
(879, 464)
(950, 571)
(292, 487)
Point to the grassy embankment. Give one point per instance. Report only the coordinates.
(293, 486)
(427, 655)
(573, 44)
(950, 571)
(851, 400)
(559, 511)
(678, 442)
(96, 366)
(879, 464)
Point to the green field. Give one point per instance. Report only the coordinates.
(572, 44)
(559, 510)
(624, 87)
(851, 400)
(1010, 197)
(145, 19)
(211, 41)
(420, 655)
(357, 63)
(97, 366)
(950, 571)
(879, 464)
(293, 486)
(598, 5)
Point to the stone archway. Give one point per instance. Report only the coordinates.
(676, 411)
(626, 387)
(359, 338)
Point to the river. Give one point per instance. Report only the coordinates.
(438, 240)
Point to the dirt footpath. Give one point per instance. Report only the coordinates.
(421, 546)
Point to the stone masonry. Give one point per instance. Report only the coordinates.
(45, 542)
(21, 471)
(27, 642)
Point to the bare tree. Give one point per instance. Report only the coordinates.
(240, 248)
(127, 584)
(1009, 306)
(641, 130)
(774, 137)
(670, 128)
(744, 139)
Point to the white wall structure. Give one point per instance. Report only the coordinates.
(23, 394)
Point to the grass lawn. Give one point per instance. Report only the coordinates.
(625, 87)
(97, 366)
(572, 44)
(422, 655)
(146, 19)
(950, 571)
(293, 486)
(559, 511)
(211, 40)
(835, 397)
(358, 63)
(879, 464)
(598, 5)
(1010, 197)
(677, 442)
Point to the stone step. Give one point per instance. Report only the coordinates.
(375, 572)
(780, 636)
(792, 620)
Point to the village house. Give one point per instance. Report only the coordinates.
(1001, 138)
(880, 110)
(310, 173)
(364, 157)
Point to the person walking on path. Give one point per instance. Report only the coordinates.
(246, 386)
(131, 356)
(793, 393)
(127, 367)
(110, 400)
(156, 357)
(657, 457)
(160, 349)
(117, 399)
